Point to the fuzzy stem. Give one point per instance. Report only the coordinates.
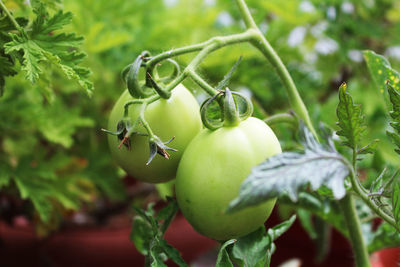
(359, 190)
(355, 234)
(11, 17)
(295, 100)
(246, 15)
(200, 81)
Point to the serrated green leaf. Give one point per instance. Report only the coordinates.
(58, 126)
(6, 66)
(223, 259)
(396, 203)
(395, 115)
(172, 253)
(290, 172)
(6, 25)
(225, 81)
(33, 55)
(254, 249)
(141, 234)
(167, 214)
(156, 256)
(370, 148)
(147, 235)
(38, 181)
(381, 71)
(44, 43)
(351, 120)
(251, 250)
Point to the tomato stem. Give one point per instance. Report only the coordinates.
(355, 234)
(9, 15)
(231, 113)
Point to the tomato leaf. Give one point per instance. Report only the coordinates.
(147, 235)
(254, 249)
(351, 120)
(381, 71)
(290, 172)
(225, 81)
(395, 115)
(396, 203)
(223, 259)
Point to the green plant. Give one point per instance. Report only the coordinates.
(72, 165)
(320, 173)
(177, 118)
(213, 167)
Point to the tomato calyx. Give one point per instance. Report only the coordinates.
(124, 131)
(159, 147)
(153, 83)
(130, 75)
(233, 107)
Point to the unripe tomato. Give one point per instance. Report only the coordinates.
(210, 173)
(177, 117)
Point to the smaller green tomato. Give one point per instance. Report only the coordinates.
(177, 117)
(211, 171)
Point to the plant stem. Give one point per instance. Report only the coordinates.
(208, 88)
(359, 190)
(263, 45)
(281, 118)
(295, 100)
(355, 234)
(246, 15)
(11, 17)
(257, 39)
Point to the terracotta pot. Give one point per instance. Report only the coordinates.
(82, 246)
(389, 257)
(295, 243)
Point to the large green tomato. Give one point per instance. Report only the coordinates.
(178, 116)
(210, 173)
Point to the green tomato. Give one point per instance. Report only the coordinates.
(211, 171)
(177, 117)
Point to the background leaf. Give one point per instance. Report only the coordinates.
(290, 172)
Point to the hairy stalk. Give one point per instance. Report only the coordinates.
(208, 88)
(11, 17)
(246, 15)
(355, 234)
(364, 197)
(281, 118)
(266, 49)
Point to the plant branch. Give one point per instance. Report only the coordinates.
(200, 81)
(281, 118)
(357, 188)
(246, 15)
(355, 234)
(9, 15)
(252, 35)
(295, 100)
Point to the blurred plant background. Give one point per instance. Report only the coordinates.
(52, 152)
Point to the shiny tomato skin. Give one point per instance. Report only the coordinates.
(211, 171)
(177, 117)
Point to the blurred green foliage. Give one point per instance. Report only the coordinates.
(52, 138)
